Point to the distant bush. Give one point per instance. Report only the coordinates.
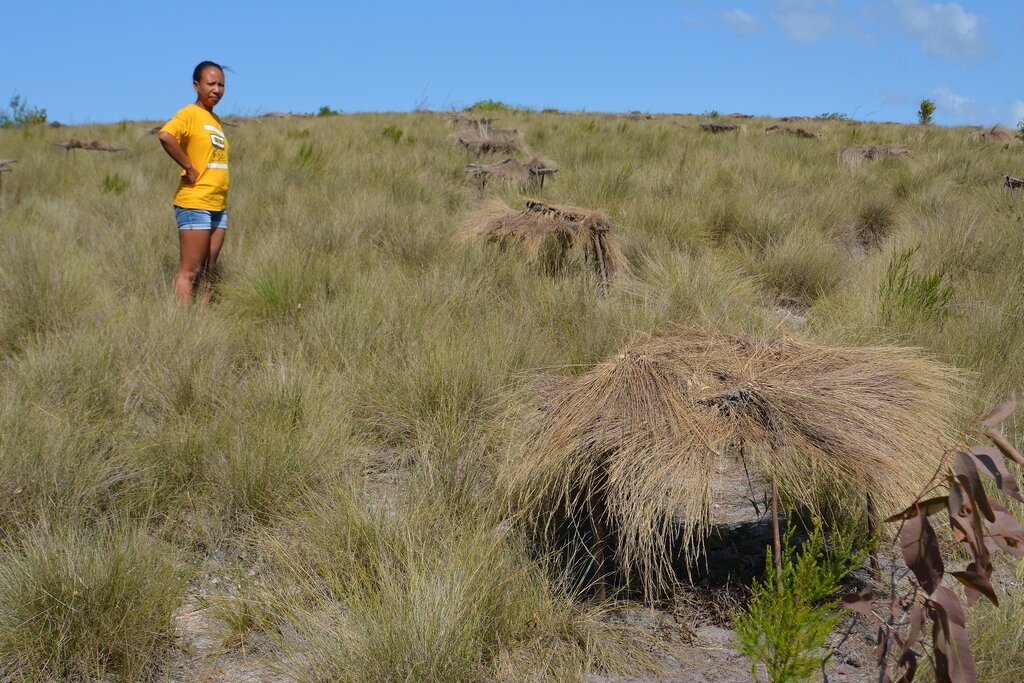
(495, 106)
(327, 111)
(925, 112)
(905, 292)
(19, 113)
(711, 113)
(393, 133)
(1020, 129)
(114, 184)
(832, 116)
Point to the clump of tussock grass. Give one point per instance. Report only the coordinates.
(874, 221)
(800, 265)
(86, 605)
(44, 290)
(573, 229)
(405, 590)
(635, 441)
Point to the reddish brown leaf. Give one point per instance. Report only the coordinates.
(1004, 445)
(976, 583)
(967, 473)
(921, 553)
(950, 639)
(1001, 411)
(990, 461)
(908, 665)
(861, 602)
(1006, 532)
(917, 620)
(930, 507)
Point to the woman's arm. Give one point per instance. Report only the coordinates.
(174, 150)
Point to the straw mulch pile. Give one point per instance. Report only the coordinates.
(997, 133)
(636, 440)
(482, 138)
(582, 231)
(95, 146)
(795, 132)
(719, 127)
(853, 155)
(512, 172)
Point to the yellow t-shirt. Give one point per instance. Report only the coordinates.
(201, 135)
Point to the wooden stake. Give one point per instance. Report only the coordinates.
(599, 248)
(598, 549)
(776, 536)
(876, 569)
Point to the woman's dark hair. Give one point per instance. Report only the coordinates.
(197, 73)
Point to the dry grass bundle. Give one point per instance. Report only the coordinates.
(574, 229)
(996, 133)
(512, 172)
(633, 444)
(95, 146)
(853, 155)
(719, 127)
(796, 132)
(483, 139)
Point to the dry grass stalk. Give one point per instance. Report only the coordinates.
(95, 146)
(719, 127)
(579, 230)
(512, 172)
(637, 438)
(796, 132)
(853, 155)
(997, 133)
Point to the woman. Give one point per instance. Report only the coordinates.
(195, 139)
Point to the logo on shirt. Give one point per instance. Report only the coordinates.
(217, 141)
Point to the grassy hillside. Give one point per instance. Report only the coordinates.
(325, 434)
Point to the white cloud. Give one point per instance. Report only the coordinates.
(944, 30)
(961, 108)
(742, 23)
(1017, 108)
(803, 22)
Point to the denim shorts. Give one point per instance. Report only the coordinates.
(200, 219)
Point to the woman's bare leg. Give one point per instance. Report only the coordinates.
(195, 251)
(210, 270)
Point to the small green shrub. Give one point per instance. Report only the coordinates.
(327, 111)
(85, 605)
(494, 106)
(114, 184)
(19, 114)
(906, 293)
(832, 116)
(393, 133)
(792, 612)
(309, 157)
(711, 113)
(925, 112)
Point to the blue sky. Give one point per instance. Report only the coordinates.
(874, 60)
